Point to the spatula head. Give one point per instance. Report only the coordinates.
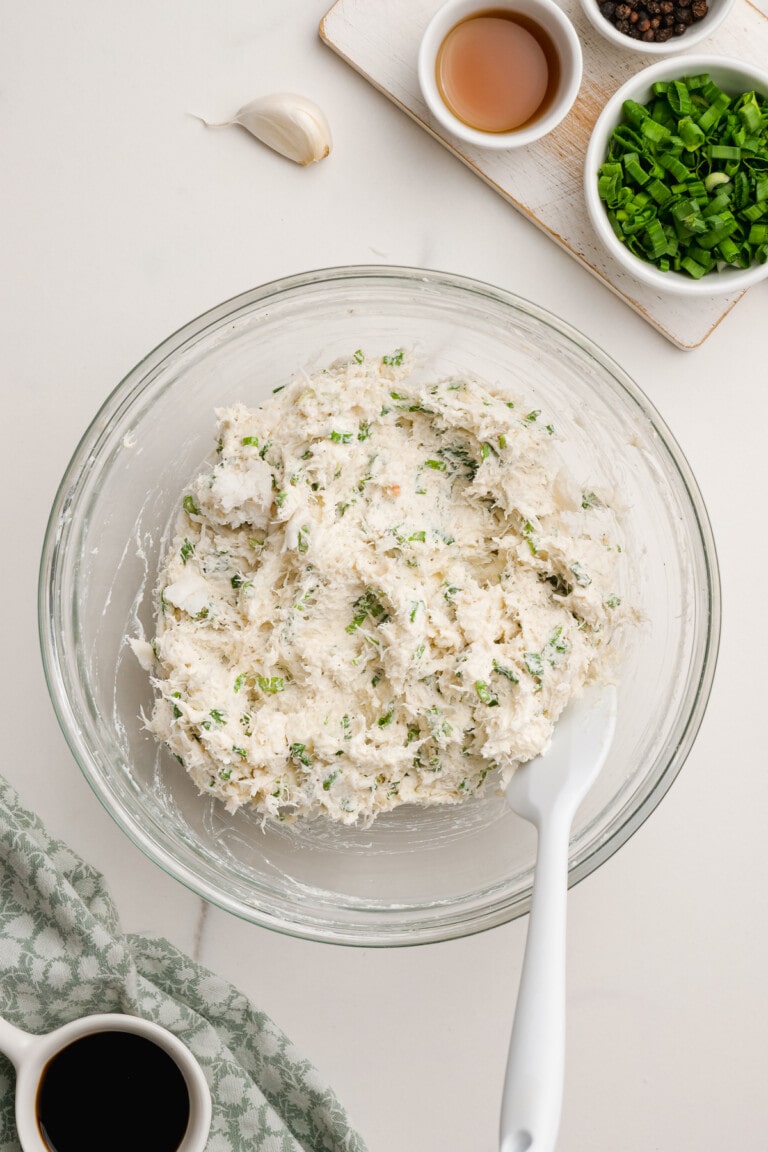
(579, 747)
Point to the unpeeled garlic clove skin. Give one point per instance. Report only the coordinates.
(291, 125)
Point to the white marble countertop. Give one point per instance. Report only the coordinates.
(120, 219)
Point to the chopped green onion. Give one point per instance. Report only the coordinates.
(679, 98)
(300, 755)
(485, 695)
(691, 134)
(271, 684)
(216, 720)
(582, 578)
(693, 267)
(634, 170)
(723, 152)
(685, 177)
(652, 130)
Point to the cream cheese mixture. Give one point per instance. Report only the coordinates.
(379, 594)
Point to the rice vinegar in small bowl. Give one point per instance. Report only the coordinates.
(501, 76)
(497, 71)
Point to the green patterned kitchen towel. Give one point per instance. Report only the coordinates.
(62, 955)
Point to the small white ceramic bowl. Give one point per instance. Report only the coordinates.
(734, 77)
(34, 1055)
(552, 19)
(694, 34)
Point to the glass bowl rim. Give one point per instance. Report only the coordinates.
(463, 922)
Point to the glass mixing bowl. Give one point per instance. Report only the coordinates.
(415, 875)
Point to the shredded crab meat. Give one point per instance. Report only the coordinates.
(380, 593)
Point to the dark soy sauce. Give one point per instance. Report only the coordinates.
(112, 1091)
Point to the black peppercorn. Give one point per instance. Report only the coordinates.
(650, 20)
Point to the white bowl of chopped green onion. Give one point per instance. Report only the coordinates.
(676, 175)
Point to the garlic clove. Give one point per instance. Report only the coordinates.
(291, 125)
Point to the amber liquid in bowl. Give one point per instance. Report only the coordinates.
(497, 71)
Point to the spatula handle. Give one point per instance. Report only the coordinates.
(533, 1087)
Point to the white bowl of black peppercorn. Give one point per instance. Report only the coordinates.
(656, 27)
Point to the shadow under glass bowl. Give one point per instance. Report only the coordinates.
(415, 876)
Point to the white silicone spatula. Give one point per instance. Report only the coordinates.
(547, 791)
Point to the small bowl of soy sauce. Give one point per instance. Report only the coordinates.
(110, 1081)
(500, 76)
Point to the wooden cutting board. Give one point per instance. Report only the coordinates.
(380, 39)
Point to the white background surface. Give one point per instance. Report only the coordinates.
(121, 218)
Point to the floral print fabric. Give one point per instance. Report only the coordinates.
(62, 955)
